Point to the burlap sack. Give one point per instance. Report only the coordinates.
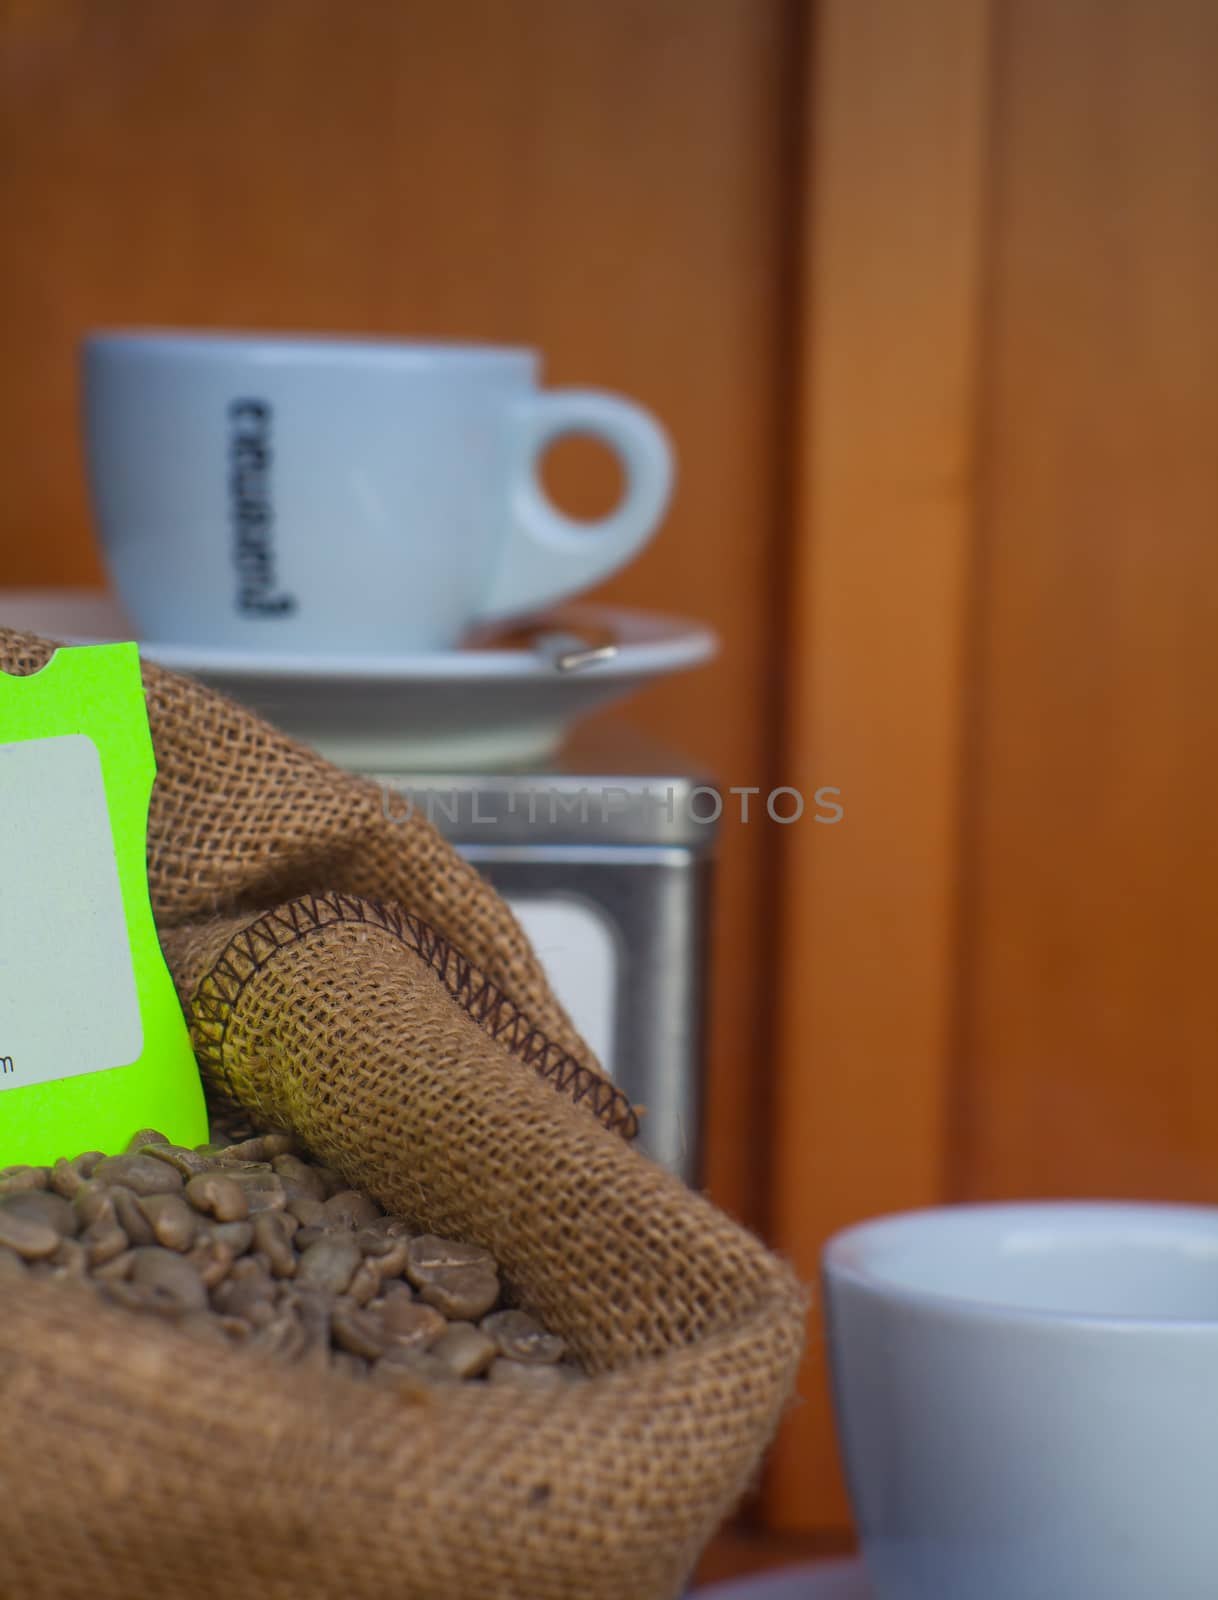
(348, 976)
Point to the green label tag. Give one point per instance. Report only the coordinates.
(93, 1045)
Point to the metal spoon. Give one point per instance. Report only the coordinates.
(567, 652)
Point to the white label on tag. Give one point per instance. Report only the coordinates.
(68, 1000)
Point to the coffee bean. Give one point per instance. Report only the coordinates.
(32, 1238)
(250, 1267)
(390, 1228)
(295, 1171)
(188, 1162)
(365, 1284)
(263, 1191)
(358, 1331)
(390, 1263)
(93, 1202)
(141, 1174)
(380, 1244)
(350, 1209)
(409, 1367)
(312, 1307)
(238, 1296)
(271, 1237)
(130, 1218)
(522, 1338)
(116, 1268)
(409, 1324)
(170, 1274)
(463, 1294)
(15, 1179)
(396, 1294)
(235, 1236)
(144, 1137)
(428, 1252)
(292, 1191)
(329, 1263)
(173, 1222)
(70, 1260)
(67, 1177)
(103, 1241)
(277, 1145)
(244, 1150)
(211, 1257)
(308, 1212)
(43, 1205)
(332, 1182)
(219, 1196)
(141, 1297)
(465, 1349)
(460, 1280)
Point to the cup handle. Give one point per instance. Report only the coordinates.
(549, 555)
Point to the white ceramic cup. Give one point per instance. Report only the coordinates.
(1027, 1400)
(294, 495)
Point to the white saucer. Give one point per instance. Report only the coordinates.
(448, 710)
(836, 1580)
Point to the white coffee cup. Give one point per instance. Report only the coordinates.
(298, 495)
(1027, 1400)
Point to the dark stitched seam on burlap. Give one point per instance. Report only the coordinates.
(218, 991)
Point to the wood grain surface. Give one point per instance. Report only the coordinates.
(885, 503)
(1088, 1050)
(999, 979)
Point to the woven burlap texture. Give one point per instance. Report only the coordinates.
(349, 977)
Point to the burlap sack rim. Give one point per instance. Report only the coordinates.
(218, 991)
(361, 1425)
(645, 1457)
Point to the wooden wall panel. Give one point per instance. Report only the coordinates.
(998, 973)
(1089, 1048)
(884, 510)
(607, 181)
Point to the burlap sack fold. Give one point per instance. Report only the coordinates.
(349, 977)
